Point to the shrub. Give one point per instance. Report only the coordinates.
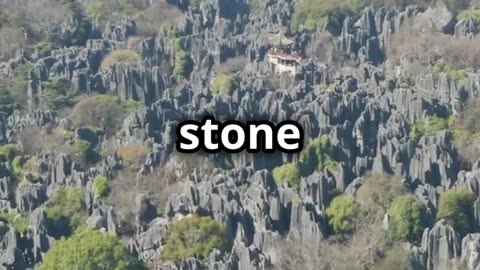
(57, 93)
(455, 74)
(6, 100)
(120, 55)
(17, 165)
(380, 190)
(43, 48)
(134, 155)
(341, 213)
(183, 64)
(96, 10)
(83, 148)
(429, 127)
(101, 187)
(223, 85)
(8, 153)
(472, 13)
(87, 250)
(194, 237)
(102, 111)
(456, 208)
(17, 221)
(317, 155)
(65, 211)
(407, 219)
(287, 174)
(131, 106)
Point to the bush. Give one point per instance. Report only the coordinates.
(288, 174)
(183, 65)
(317, 155)
(341, 213)
(43, 48)
(223, 85)
(83, 148)
(65, 211)
(313, 13)
(102, 111)
(472, 13)
(455, 74)
(134, 155)
(6, 100)
(8, 153)
(120, 55)
(17, 221)
(407, 219)
(131, 106)
(429, 127)
(456, 208)
(87, 250)
(101, 187)
(380, 190)
(17, 165)
(194, 237)
(57, 93)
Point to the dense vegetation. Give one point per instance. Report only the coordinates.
(194, 237)
(223, 85)
(341, 214)
(88, 250)
(407, 219)
(105, 112)
(456, 208)
(65, 212)
(287, 174)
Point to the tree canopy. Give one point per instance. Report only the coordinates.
(90, 250)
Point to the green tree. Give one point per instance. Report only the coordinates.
(183, 61)
(8, 152)
(57, 93)
(102, 111)
(407, 219)
(101, 187)
(183, 65)
(194, 237)
(317, 155)
(223, 85)
(65, 211)
(17, 221)
(90, 250)
(341, 214)
(456, 208)
(83, 148)
(287, 174)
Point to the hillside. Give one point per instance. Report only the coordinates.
(91, 93)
